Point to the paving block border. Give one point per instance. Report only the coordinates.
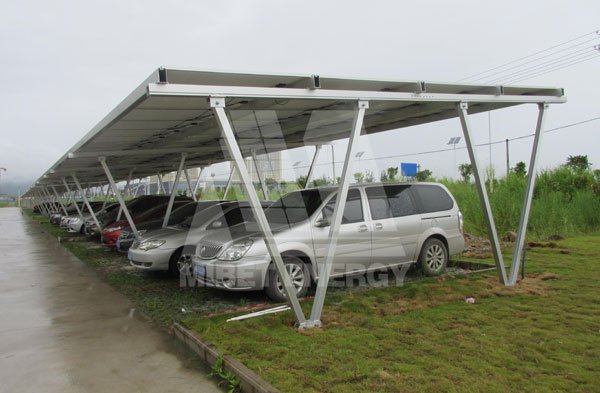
(251, 382)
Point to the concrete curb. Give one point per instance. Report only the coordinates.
(251, 382)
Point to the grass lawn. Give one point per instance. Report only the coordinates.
(541, 336)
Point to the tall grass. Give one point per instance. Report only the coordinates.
(565, 202)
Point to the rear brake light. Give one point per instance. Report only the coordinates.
(461, 222)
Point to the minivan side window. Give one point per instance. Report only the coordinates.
(390, 201)
(433, 198)
(353, 211)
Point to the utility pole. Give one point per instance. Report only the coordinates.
(490, 148)
(1, 169)
(333, 163)
(507, 160)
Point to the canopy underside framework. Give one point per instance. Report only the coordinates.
(170, 113)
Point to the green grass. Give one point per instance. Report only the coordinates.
(542, 336)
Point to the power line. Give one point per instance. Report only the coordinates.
(446, 149)
(572, 63)
(531, 55)
(541, 58)
(535, 68)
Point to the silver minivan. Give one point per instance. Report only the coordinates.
(383, 226)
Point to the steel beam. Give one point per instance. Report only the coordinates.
(248, 92)
(125, 192)
(218, 107)
(483, 196)
(51, 206)
(260, 176)
(161, 188)
(106, 197)
(41, 204)
(528, 197)
(73, 198)
(85, 200)
(174, 190)
(229, 181)
(338, 212)
(60, 201)
(189, 184)
(112, 183)
(312, 165)
(198, 181)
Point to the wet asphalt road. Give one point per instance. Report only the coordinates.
(63, 330)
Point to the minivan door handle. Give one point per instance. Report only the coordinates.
(362, 228)
(379, 226)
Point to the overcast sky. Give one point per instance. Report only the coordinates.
(66, 64)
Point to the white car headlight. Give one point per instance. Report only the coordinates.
(114, 229)
(149, 245)
(236, 251)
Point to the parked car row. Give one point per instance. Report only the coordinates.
(219, 244)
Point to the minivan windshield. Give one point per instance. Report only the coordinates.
(296, 206)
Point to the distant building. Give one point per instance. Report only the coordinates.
(269, 165)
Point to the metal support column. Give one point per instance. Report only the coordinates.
(198, 181)
(218, 106)
(85, 200)
(174, 190)
(338, 212)
(41, 204)
(189, 184)
(125, 190)
(229, 181)
(483, 197)
(260, 176)
(160, 189)
(60, 201)
(51, 204)
(73, 198)
(106, 197)
(528, 197)
(113, 185)
(312, 166)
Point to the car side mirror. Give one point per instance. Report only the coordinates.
(322, 223)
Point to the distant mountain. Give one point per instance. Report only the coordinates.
(12, 188)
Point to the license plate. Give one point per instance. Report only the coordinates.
(129, 256)
(200, 270)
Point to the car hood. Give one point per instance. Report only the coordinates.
(240, 231)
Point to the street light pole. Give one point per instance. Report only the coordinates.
(454, 141)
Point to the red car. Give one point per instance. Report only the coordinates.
(111, 232)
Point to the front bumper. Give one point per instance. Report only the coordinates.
(249, 273)
(74, 226)
(155, 259)
(110, 238)
(124, 244)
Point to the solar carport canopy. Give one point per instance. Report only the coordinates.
(170, 113)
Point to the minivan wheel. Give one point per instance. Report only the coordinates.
(298, 273)
(434, 257)
(174, 263)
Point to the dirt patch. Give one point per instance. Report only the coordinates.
(543, 245)
(477, 247)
